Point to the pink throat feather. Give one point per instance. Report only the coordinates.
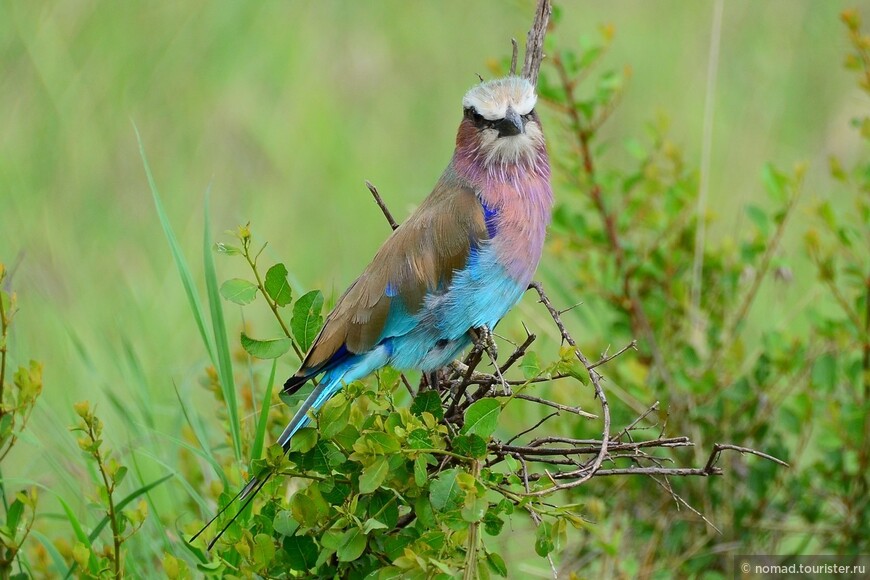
(522, 198)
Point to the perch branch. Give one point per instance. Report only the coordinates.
(535, 41)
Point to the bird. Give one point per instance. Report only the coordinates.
(453, 269)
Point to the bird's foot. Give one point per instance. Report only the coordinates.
(485, 341)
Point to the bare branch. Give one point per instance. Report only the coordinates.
(532, 428)
(653, 407)
(559, 406)
(535, 41)
(382, 205)
(604, 360)
(587, 473)
(718, 448)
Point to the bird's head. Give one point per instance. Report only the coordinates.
(500, 125)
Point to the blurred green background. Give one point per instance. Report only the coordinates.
(283, 110)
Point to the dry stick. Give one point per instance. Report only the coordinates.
(718, 448)
(535, 41)
(532, 428)
(631, 345)
(653, 407)
(519, 351)
(515, 49)
(599, 392)
(382, 205)
(666, 485)
(507, 449)
(558, 406)
(535, 516)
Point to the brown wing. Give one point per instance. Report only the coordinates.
(419, 257)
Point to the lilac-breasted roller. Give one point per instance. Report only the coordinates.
(460, 262)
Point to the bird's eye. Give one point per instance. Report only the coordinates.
(471, 113)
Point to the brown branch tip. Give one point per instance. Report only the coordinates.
(535, 41)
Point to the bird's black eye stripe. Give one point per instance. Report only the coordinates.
(471, 113)
(479, 121)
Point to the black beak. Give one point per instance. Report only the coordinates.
(512, 124)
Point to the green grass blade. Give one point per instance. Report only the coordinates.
(153, 511)
(196, 451)
(222, 347)
(196, 427)
(80, 536)
(260, 437)
(180, 262)
(179, 478)
(56, 558)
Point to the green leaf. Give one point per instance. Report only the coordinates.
(530, 365)
(276, 285)
(444, 491)
(353, 542)
(496, 564)
(239, 291)
(492, 524)
(381, 442)
(544, 540)
(475, 507)
(824, 373)
(264, 550)
(374, 475)
(334, 416)
(424, 513)
(226, 249)
(284, 523)
(775, 182)
(470, 446)
(120, 475)
(759, 218)
(428, 401)
(265, 349)
(306, 320)
(304, 440)
(481, 418)
(420, 471)
(13, 516)
(301, 552)
(419, 439)
(373, 524)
